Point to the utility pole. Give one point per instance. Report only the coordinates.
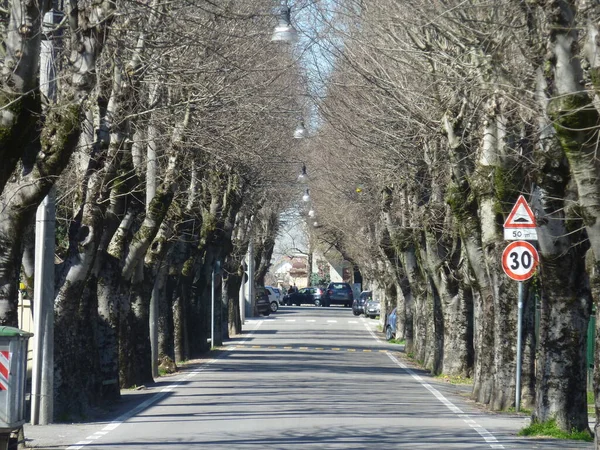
(251, 300)
(153, 313)
(242, 304)
(42, 395)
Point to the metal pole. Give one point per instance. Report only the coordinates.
(242, 303)
(153, 323)
(42, 395)
(251, 301)
(212, 310)
(150, 193)
(42, 390)
(519, 338)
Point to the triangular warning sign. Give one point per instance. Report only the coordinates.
(521, 215)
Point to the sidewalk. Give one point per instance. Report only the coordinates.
(62, 436)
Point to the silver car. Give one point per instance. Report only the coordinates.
(372, 308)
(273, 298)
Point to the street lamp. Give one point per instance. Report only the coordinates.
(306, 196)
(284, 31)
(303, 177)
(300, 132)
(215, 271)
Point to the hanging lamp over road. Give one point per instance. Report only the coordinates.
(303, 177)
(300, 132)
(306, 196)
(284, 31)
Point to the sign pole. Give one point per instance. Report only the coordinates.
(519, 342)
(519, 261)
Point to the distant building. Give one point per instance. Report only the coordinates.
(330, 266)
(291, 270)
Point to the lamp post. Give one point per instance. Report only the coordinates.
(216, 270)
(42, 389)
(284, 31)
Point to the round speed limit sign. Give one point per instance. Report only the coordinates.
(519, 260)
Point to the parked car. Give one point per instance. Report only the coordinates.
(312, 295)
(278, 293)
(358, 305)
(372, 308)
(338, 294)
(263, 305)
(390, 326)
(273, 298)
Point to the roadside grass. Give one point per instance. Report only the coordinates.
(397, 341)
(590, 403)
(454, 379)
(549, 429)
(524, 411)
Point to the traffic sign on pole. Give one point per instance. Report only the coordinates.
(520, 223)
(519, 260)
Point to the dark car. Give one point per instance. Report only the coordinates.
(311, 295)
(358, 305)
(263, 305)
(390, 326)
(338, 293)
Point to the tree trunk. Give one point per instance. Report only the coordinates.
(561, 381)
(19, 104)
(562, 369)
(456, 321)
(231, 288)
(418, 287)
(464, 206)
(109, 317)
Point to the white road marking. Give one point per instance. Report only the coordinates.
(310, 320)
(353, 321)
(290, 320)
(371, 332)
(332, 321)
(486, 435)
(94, 436)
(119, 420)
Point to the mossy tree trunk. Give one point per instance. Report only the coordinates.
(394, 246)
(561, 384)
(464, 206)
(575, 120)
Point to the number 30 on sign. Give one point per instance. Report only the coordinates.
(519, 260)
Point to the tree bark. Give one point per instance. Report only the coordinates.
(19, 104)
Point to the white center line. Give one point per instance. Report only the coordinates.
(310, 320)
(332, 321)
(290, 320)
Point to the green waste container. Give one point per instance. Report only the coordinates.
(13, 376)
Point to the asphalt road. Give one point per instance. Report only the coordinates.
(308, 378)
